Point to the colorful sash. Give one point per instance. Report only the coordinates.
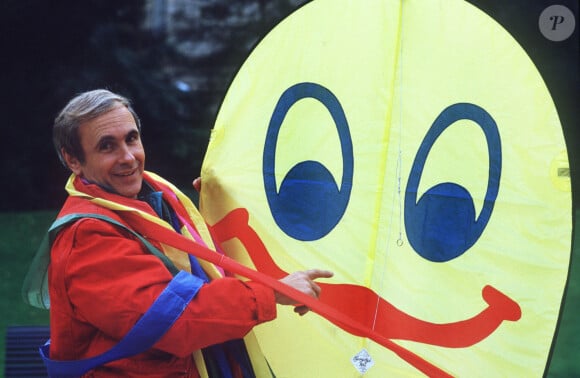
(135, 214)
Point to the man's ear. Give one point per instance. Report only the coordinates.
(72, 162)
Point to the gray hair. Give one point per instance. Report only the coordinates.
(82, 108)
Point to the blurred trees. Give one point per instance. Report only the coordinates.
(174, 59)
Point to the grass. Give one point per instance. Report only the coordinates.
(22, 232)
(565, 361)
(21, 235)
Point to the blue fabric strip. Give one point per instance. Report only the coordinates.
(196, 268)
(145, 333)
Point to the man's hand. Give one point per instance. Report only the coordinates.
(302, 281)
(197, 184)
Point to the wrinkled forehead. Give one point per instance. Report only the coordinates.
(116, 123)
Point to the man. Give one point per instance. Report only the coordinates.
(103, 279)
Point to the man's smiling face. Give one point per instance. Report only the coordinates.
(114, 157)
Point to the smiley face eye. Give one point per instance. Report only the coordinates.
(309, 203)
(441, 225)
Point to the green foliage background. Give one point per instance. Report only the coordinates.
(20, 235)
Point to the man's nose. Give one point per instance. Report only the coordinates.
(126, 154)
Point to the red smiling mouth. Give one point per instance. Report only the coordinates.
(354, 308)
(383, 320)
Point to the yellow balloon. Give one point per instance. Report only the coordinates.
(457, 180)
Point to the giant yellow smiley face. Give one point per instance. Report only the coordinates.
(412, 148)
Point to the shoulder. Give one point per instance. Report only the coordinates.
(79, 205)
(83, 222)
(86, 217)
(86, 237)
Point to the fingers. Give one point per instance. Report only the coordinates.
(318, 273)
(197, 184)
(301, 310)
(315, 289)
(304, 282)
(311, 275)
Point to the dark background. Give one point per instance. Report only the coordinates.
(176, 67)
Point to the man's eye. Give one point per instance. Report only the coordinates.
(133, 138)
(105, 146)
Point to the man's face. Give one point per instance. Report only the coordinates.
(114, 155)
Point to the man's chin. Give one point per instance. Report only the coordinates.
(129, 191)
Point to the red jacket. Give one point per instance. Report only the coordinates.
(102, 280)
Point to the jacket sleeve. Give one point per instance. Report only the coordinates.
(111, 281)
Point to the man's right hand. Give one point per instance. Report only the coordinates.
(302, 281)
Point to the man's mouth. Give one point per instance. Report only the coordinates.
(126, 173)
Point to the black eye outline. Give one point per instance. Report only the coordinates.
(309, 204)
(441, 225)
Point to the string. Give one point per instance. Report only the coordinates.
(398, 197)
(400, 124)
